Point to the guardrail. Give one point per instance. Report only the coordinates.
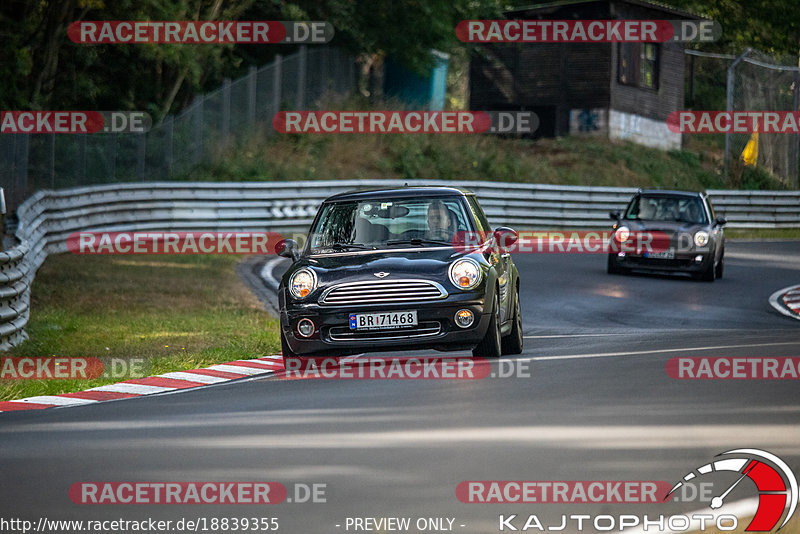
(47, 218)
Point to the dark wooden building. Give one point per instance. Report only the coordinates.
(619, 90)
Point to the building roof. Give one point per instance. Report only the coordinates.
(546, 6)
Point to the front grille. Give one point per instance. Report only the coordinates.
(382, 292)
(660, 262)
(425, 329)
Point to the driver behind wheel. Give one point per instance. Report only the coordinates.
(440, 222)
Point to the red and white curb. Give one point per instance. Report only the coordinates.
(787, 301)
(138, 387)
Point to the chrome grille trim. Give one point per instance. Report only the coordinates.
(382, 292)
(425, 329)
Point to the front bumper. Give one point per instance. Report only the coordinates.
(436, 328)
(682, 262)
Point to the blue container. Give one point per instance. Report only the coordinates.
(416, 91)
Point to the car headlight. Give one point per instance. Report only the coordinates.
(623, 233)
(302, 283)
(465, 273)
(701, 238)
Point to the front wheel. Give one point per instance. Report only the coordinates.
(512, 343)
(613, 266)
(707, 274)
(489, 347)
(285, 350)
(721, 265)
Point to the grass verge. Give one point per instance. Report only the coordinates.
(177, 312)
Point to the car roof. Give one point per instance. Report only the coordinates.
(399, 192)
(670, 193)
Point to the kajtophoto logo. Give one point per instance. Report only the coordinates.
(774, 480)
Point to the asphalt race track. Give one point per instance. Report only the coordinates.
(597, 405)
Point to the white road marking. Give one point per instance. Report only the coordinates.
(266, 272)
(632, 353)
(773, 300)
(56, 400)
(194, 377)
(239, 370)
(136, 389)
(574, 335)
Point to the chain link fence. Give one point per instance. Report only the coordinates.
(752, 81)
(172, 149)
(760, 82)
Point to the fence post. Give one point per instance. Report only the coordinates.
(729, 108)
(301, 77)
(226, 110)
(277, 74)
(51, 167)
(21, 159)
(198, 130)
(113, 151)
(168, 144)
(794, 150)
(82, 157)
(141, 154)
(251, 95)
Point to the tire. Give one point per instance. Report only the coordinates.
(721, 265)
(707, 274)
(490, 345)
(613, 266)
(512, 343)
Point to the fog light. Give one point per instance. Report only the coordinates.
(464, 318)
(305, 327)
(620, 254)
(698, 258)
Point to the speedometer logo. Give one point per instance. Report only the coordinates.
(777, 485)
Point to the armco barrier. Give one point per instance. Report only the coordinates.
(48, 217)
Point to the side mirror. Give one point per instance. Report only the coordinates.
(287, 248)
(505, 238)
(614, 215)
(722, 221)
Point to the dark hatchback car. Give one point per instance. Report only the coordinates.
(691, 235)
(380, 271)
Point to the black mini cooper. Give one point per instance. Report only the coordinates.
(390, 270)
(688, 235)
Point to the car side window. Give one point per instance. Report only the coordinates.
(481, 222)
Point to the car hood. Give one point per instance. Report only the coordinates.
(668, 227)
(422, 262)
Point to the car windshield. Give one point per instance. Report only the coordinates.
(667, 208)
(374, 224)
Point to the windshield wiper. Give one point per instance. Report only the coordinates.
(417, 241)
(343, 246)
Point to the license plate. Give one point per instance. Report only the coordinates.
(380, 321)
(661, 255)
